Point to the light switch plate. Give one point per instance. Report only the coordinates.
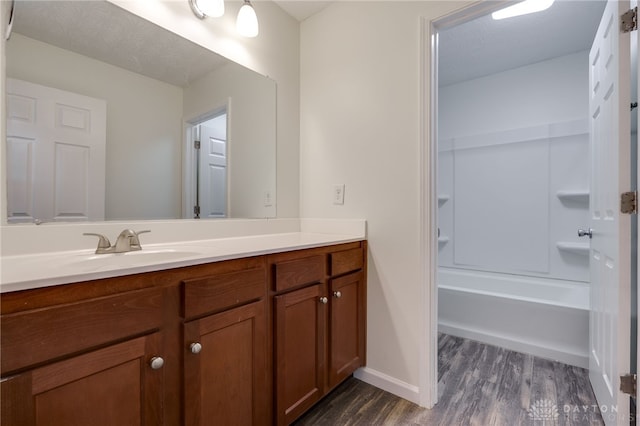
(338, 194)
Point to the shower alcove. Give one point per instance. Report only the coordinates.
(513, 190)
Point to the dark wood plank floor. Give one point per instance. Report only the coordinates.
(479, 385)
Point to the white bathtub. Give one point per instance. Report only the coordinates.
(546, 318)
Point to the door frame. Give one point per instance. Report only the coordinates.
(429, 30)
(189, 157)
(428, 367)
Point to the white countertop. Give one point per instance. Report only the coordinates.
(21, 272)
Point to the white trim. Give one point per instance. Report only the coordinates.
(188, 163)
(428, 351)
(229, 147)
(390, 384)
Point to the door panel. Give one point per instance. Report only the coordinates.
(347, 327)
(299, 351)
(56, 150)
(225, 383)
(213, 169)
(609, 89)
(112, 386)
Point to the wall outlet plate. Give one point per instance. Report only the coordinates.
(268, 198)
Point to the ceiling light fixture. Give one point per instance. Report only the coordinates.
(523, 8)
(202, 8)
(246, 23)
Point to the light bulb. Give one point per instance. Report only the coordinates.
(522, 8)
(213, 8)
(247, 22)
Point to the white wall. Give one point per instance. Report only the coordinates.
(273, 53)
(546, 92)
(144, 125)
(360, 125)
(509, 143)
(251, 133)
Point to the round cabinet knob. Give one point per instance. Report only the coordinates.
(324, 300)
(337, 294)
(156, 363)
(195, 348)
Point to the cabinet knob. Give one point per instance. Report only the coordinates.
(156, 362)
(337, 294)
(195, 348)
(324, 300)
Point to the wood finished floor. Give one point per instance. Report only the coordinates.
(479, 385)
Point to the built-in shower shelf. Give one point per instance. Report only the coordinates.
(443, 198)
(577, 248)
(443, 240)
(576, 196)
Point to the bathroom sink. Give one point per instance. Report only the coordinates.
(96, 262)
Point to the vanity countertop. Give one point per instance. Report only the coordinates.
(22, 272)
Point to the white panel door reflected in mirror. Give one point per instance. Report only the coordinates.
(55, 154)
(210, 173)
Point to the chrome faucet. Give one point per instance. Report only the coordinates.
(127, 241)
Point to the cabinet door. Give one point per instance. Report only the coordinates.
(300, 318)
(113, 386)
(347, 334)
(225, 368)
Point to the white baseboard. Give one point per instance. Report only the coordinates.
(390, 384)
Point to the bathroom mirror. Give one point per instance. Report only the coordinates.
(160, 94)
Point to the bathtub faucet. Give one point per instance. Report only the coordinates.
(583, 233)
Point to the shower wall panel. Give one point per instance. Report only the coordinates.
(512, 201)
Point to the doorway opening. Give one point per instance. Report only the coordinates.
(207, 166)
(477, 149)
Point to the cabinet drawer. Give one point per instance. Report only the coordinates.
(346, 261)
(217, 292)
(32, 337)
(296, 272)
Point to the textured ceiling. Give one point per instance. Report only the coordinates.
(302, 9)
(123, 39)
(484, 46)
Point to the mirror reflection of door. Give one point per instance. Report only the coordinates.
(56, 148)
(211, 172)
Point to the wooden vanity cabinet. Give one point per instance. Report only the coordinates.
(221, 343)
(299, 351)
(319, 303)
(115, 385)
(96, 361)
(347, 323)
(225, 362)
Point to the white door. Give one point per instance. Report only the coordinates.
(609, 88)
(213, 168)
(55, 154)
